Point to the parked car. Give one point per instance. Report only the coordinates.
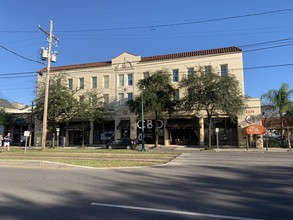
(126, 143)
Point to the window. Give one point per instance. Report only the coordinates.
(130, 79)
(176, 97)
(81, 99)
(121, 80)
(81, 83)
(106, 98)
(175, 75)
(208, 69)
(94, 82)
(190, 71)
(146, 75)
(121, 98)
(129, 96)
(70, 84)
(106, 81)
(94, 100)
(224, 70)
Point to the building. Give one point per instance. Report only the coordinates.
(117, 80)
(20, 122)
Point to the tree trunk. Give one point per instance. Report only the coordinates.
(82, 140)
(53, 135)
(210, 132)
(282, 129)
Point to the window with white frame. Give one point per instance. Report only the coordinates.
(94, 100)
(70, 84)
(81, 83)
(121, 98)
(94, 82)
(146, 75)
(224, 70)
(190, 71)
(129, 96)
(81, 99)
(176, 97)
(208, 69)
(175, 75)
(106, 81)
(121, 80)
(106, 98)
(130, 79)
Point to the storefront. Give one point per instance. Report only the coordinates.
(183, 131)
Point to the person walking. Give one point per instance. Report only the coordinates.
(6, 141)
(1, 139)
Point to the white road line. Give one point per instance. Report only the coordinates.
(172, 211)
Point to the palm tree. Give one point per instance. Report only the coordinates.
(280, 100)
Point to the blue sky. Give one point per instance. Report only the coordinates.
(96, 30)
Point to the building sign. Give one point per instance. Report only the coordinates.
(150, 131)
(254, 129)
(249, 111)
(149, 124)
(126, 65)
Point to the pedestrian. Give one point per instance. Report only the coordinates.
(1, 139)
(6, 141)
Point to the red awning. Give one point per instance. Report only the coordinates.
(254, 129)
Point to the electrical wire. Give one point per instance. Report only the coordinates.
(153, 27)
(23, 57)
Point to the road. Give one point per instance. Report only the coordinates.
(198, 185)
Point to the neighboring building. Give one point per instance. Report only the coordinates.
(22, 121)
(117, 80)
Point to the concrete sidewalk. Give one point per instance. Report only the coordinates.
(191, 148)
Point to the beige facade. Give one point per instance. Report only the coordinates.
(117, 79)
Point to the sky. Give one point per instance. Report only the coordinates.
(98, 30)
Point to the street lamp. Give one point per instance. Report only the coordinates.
(142, 120)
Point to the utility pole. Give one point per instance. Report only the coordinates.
(48, 57)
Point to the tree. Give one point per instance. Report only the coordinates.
(64, 107)
(158, 97)
(89, 108)
(6, 119)
(214, 94)
(280, 101)
(61, 101)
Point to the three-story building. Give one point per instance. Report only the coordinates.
(117, 82)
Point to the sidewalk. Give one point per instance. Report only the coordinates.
(220, 149)
(226, 148)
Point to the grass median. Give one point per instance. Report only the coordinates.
(92, 157)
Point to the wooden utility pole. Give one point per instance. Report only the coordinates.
(45, 115)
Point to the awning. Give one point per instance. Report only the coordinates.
(181, 124)
(77, 126)
(254, 129)
(124, 124)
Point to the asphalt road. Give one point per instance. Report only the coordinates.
(198, 185)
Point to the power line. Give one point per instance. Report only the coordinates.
(153, 27)
(19, 73)
(5, 97)
(15, 77)
(23, 57)
(266, 42)
(265, 48)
